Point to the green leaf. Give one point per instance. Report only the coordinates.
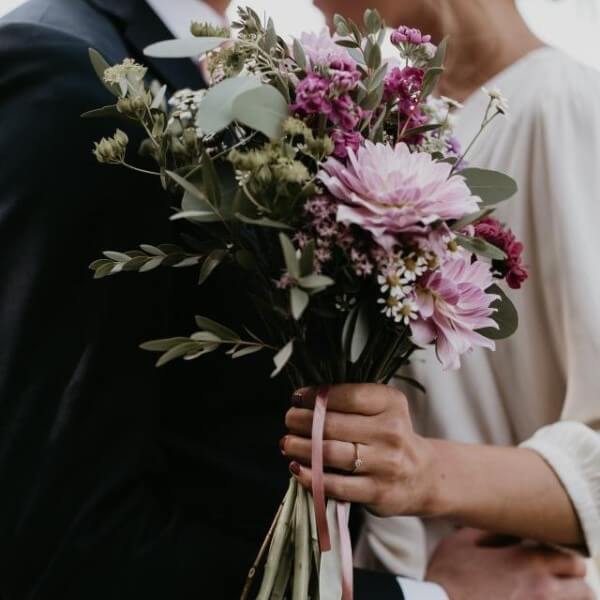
(373, 55)
(378, 77)
(430, 80)
(116, 256)
(263, 108)
(372, 20)
(472, 218)
(151, 264)
(289, 255)
(177, 352)
(299, 300)
(246, 260)
(191, 47)
(360, 335)
(480, 247)
(282, 357)
(340, 25)
(100, 65)
(315, 281)
(163, 345)
(421, 130)
(206, 337)
(104, 270)
(246, 351)
(216, 109)
(440, 55)
(109, 112)
(220, 330)
(271, 36)
(300, 55)
(491, 186)
(213, 260)
(347, 43)
(158, 98)
(262, 222)
(195, 204)
(307, 260)
(153, 250)
(506, 316)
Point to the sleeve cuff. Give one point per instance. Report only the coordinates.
(421, 590)
(573, 451)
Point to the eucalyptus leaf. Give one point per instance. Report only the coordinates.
(341, 26)
(109, 112)
(263, 222)
(191, 47)
(282, 357)
(263, 109)
(198, 216)
(221, 330)
(177, 352)
(289, 254)
(215, 112)
(300, 55)
(440, 54)
(100, 65)
(206, 336)
(299, 300)
(151, 264)
(246, 351)
(213, 260)
(430, 80)
(421, 130)
(360, 335)
(163, 345)
(315, 281)
(480, 247)
(472, 218)
(117, 256)
(506, 316)
(307, 259)
(148, 249)
(491, 186)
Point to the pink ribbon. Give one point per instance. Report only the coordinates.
(318, 490)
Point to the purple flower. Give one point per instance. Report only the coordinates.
(312, 96)
(495, 233)
(345, 112)
(321, 49)
(453, 305)
(344, 74)
(345, 140)
(404, 85)
(407, 35)
(390, 191)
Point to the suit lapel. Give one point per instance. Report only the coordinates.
(140, 27)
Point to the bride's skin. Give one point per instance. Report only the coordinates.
(501, 489)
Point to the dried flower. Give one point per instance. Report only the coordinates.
(498, 102)
(111, 150)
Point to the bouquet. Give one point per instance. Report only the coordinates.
(333, 179)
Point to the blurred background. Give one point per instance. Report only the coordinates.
(573, 25)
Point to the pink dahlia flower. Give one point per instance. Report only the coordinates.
(321, 49)
(453, 305)
(390, 191)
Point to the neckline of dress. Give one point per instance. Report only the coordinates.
(498, 77)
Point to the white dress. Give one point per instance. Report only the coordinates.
(541, 388)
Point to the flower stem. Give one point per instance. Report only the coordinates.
(302, 562)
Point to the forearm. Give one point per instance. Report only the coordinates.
(502, 489)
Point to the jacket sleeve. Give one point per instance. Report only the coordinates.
(87, 509)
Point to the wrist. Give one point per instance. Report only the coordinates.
(437, 496)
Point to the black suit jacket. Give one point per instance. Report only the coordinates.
(117, 480)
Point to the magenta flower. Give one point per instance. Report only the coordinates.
(344, 141)
(495, 233)
(407, 35)
(312, 96)
(391, 191)
(404, 85)
(344, 75)
(453, 305)
(345, 112)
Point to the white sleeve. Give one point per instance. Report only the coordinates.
(421, 590)
(566, 189)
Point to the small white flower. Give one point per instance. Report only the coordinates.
(391, 306)
(499, 101)
(451, 103)
(407, 312)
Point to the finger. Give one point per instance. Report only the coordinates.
(567, 565)
(338, 426)
(336, 455)
(364, 399)
(348, 488)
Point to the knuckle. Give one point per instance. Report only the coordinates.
(391, 431)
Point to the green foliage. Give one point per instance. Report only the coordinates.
(506, 316)
(480, 247)
(184, 47)
(263, 109)
(491, 186)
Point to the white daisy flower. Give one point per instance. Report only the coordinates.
(499, 101)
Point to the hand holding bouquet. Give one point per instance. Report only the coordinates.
(331, 181)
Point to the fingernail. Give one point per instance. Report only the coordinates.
(282, 444)
(295, 468)
(297, 398)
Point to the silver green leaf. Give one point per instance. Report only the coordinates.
(480, 247)
(491, 186)
(506, 316)
(314, 281)
(289, 255)
(220, 330)
(163, 345)
(191, 47)
(299, 300)
(282, 357)
(215, 112)
(263, 108)
(100, 65)
(213, 260)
